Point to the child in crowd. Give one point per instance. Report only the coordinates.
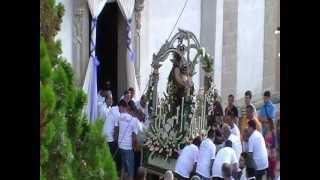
(270, 139)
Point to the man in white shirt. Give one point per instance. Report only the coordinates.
(142, 107)
(207, 153)
(225, 155)
(127, 138)
(257, 151)
(187, 160)
(132, 110)
(229, 119)
(111, 129)
(236, 142)
(105, 106)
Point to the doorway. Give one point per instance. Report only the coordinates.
(107, 47)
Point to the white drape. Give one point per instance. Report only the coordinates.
(127, 7)
(90, 82)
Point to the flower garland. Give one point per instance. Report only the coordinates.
(169, 130)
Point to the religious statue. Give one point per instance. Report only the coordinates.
(180, 80)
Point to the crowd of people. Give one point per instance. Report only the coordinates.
(238, 146)
(240, 143)
(124, 127)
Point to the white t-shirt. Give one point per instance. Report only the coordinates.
(111, 121)
(225, 155)
(257, 146)
(236, 145)
(235, 130)
(245, 147)
(140, 128)
(186, 160)
(100, 98)
(102, 109)
(207, 152)
(127, 126)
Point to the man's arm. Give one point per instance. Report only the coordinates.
(250, 161)
(210, 166)
(116, 133)
(134, 142)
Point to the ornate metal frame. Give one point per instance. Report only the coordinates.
(186, 41)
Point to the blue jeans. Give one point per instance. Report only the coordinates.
(127, 161)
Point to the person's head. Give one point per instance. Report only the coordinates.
(108, 85)
(143, 101)
(126, 96)
(132, 92)
(131, 106)
(197, 141)
(226, 170)
(250, 111)
(168, 175)
(230, 99)
(195, 177)
(228, 143)
(211, 134)
(247, 97)
(229, 118)
(266, 96)
(103, 93)
(242, 160)
(109, 99)
(122, 106)
(252, 126)
(270, 124)
(226, 131)
(215, 96)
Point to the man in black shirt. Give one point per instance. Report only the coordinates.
(232, 109)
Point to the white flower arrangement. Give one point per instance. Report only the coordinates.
(166, 133)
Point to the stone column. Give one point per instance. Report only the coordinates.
(271, 64)
(138, 7)
(80, 38)
(229, 51)
(207, 30)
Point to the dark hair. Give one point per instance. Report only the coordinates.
(226, 170)
(132, 105)
(267, 94)
(131, 89)
(211, 133)
(197, 141)
(250, 172)
(252, 124)
(122, 103)
(250, 107)
(244, 155)
(232, 112)
(230, 95)
(228, 143)
(126, 92)
(248, 93)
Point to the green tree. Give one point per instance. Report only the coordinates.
(71, 147)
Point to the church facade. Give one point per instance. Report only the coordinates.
(239, 35)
